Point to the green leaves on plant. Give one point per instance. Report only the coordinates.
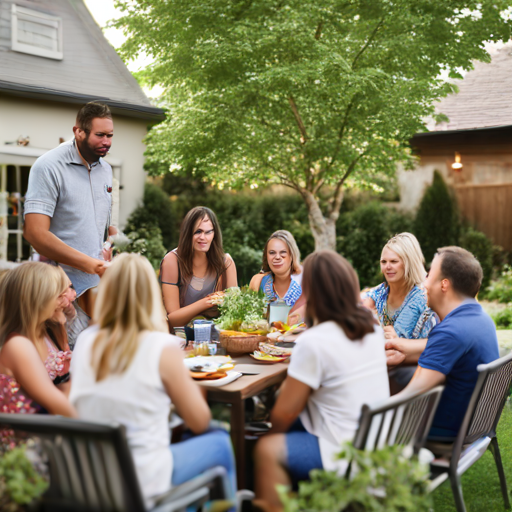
(385, 481)
(20, 484)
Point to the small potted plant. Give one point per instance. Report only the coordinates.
(384, 481)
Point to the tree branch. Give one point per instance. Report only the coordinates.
(337, 198)
(298, 119)
(368, 42)
(341, 132)
(318, 32)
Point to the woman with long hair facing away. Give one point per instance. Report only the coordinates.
(196, 269)
(127, 368)
(34, 364)
(281, 274)
(337, 365)
(400, 303)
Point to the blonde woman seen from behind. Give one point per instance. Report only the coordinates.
(32, 363)
(127, 368)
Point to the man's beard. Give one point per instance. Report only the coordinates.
(85, 150)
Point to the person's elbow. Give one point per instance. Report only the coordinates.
(201, 420)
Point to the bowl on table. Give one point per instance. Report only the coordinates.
(239, 343)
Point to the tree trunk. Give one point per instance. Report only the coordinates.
(323, 228)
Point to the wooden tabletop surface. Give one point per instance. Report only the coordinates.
(250, 385)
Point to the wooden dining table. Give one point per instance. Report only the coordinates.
(235, 394)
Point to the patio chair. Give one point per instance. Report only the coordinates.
(403, 421)
(477, 432)
(91, 469)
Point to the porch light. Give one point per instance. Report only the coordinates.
(457, 165)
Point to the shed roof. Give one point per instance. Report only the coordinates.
(484, 98)
(90, 68)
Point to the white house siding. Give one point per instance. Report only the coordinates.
(46, 122)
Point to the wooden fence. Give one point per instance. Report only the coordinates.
(489, 209)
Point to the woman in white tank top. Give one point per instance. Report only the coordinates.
(127, 368)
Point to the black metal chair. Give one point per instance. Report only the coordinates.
(399, 420)
(477, 432)
(91, 469)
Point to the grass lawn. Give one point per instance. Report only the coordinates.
(480, 484)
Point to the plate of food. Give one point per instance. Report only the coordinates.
(267, 358)
(217, 380)
(209, 364)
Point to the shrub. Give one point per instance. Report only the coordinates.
(20, 483)
(155, 210)
(437, 221)
(145, 239)
(501, 289)
(363, 234)
(386, 481)
(482, 248)
(503, 319)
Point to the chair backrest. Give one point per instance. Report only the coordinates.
(399, 420)
(486, 404)
(90, 464)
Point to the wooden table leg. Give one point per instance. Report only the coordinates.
(238, 439)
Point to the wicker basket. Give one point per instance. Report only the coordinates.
(243, 344)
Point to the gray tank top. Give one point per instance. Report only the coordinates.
(199, 288)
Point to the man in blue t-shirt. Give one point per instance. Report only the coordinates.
(465, 338)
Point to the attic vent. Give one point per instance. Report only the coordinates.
(36, 33)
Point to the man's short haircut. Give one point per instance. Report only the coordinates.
(462, 269)
(91, 111)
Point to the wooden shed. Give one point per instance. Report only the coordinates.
(479, 133)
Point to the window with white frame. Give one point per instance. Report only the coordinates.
(36, 33)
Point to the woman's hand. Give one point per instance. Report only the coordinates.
(394, 353)
(389, 332)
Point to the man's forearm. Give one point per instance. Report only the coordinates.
(412, 349)
(50, 246)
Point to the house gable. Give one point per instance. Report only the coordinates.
(90, 68)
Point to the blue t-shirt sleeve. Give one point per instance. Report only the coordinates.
(442, 352)
(374, 293)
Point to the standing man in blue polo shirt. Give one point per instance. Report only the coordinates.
(69, 202)
(465, 338)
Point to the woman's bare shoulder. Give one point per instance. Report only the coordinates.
(256, 281)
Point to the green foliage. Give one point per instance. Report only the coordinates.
(20, 483)
(242, 309)
(156, 210)
(503, 319)
(145, 239)
(437, 222)
(386, 481)
(315, 95)
(482, 248)
(501, 289)
(367, 229)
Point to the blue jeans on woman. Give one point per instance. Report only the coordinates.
(200, 453)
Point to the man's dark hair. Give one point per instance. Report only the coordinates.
(91, 111)
(462, 269)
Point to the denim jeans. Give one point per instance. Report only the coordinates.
(197, 454)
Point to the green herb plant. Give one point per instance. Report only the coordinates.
(385, 480)
(20, 483)
(243, 310)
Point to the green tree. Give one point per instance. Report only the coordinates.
(437, 222)
(313, 94)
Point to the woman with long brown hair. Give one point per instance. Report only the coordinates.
(34, 354)
(337, 365)
(197, 268)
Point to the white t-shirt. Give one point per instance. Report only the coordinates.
(344, 375)
(136, 399)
